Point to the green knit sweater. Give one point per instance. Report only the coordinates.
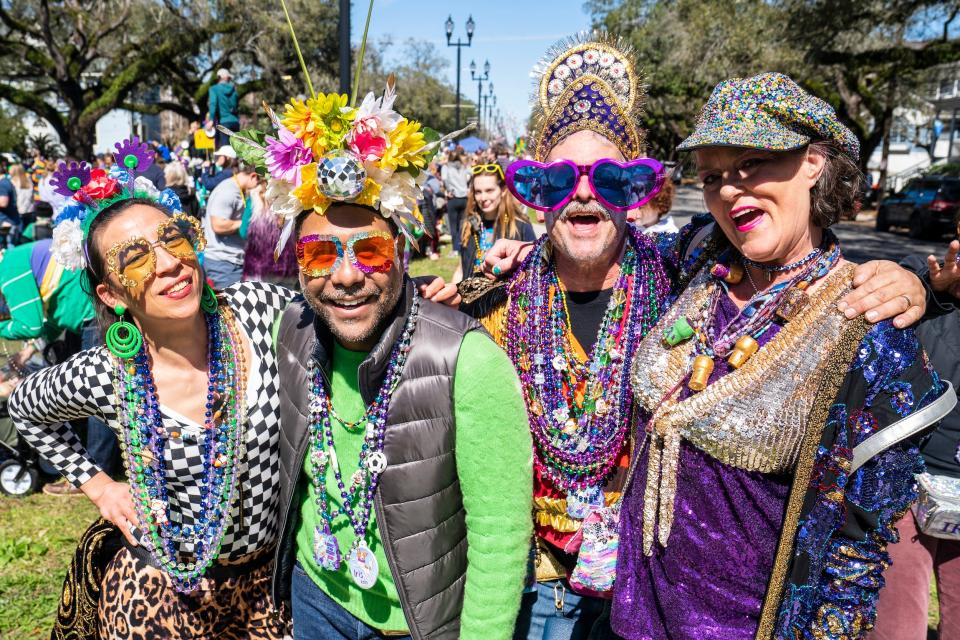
(494, 465)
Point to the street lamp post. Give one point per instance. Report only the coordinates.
(448, 25)
(479, 80)
(489, 104)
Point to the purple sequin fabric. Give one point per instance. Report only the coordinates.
(710, 580)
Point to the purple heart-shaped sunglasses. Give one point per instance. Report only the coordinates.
(617, 185)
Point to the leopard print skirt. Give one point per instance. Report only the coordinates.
(138, 602)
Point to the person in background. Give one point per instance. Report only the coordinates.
(456, 178)
(155, 173)
(925, 549)
(654, 217)
(47, 301)
(491, 213)
(10, 223)
(430, 208)
(175, 175)
(24, 187)
(261, 235)
(223, 167)
(229, 203)
(222, 105)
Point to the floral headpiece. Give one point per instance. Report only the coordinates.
(588, 82)
(322, 151)
(90, 191)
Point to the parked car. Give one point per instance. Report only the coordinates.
(927, 206)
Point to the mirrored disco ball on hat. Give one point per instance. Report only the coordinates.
(340, 175)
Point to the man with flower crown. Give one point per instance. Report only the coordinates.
(572, 315)
(405, 458)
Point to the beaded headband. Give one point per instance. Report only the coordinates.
(589, 82)
(90, 191)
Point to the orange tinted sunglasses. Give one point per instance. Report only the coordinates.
(368, 251)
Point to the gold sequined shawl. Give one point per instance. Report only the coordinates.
(754, 418)
(77, 611)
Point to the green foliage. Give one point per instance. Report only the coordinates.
(13, 134)
(944, 169)
(252, 154)
(864, 57)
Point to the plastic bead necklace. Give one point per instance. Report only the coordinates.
(579, 413)
(144, 440)
(357, 498)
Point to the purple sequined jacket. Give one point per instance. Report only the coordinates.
(833, 547)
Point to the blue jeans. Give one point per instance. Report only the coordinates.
(102, 445)
(590, 616)
(223, 274)
(317, 617)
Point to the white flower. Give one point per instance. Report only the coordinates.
(375, 114)
(562, 71)
(399, 195)
(591, 56)
(280, 199)
(575, 61)
(555, 86)
(67, 246)
(143, 185)
(606, 59)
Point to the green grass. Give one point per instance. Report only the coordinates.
(444, 267)
(38, 535)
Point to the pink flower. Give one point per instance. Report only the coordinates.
(367, 143)
(286, 155)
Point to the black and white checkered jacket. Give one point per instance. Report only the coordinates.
(83, 386)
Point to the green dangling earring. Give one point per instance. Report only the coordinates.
(208, 300)
(123, 338)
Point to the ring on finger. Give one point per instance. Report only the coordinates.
(907, 298)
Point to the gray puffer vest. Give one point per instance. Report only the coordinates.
(419, 507)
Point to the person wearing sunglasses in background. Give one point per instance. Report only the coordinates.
(491, 213)
(573, 314)
(405, 454)
(190, 388)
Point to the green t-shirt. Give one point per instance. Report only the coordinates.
(494, 464)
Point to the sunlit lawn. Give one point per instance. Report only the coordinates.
(38, 535)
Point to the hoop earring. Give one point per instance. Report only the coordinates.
(123, 338)
(208, 300)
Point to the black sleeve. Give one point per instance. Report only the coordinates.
(938, 304)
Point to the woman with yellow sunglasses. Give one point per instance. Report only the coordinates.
(492, 213)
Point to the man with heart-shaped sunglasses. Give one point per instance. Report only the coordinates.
(572, 315)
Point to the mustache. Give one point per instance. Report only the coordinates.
(592, 207)
(340, 295)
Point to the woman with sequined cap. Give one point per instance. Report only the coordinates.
(780, 437)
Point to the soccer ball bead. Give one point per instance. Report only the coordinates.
(340, 175)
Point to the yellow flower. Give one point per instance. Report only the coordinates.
(300, 119)
(320, 122)
(404, 144)
(370, 194)
(308, 193)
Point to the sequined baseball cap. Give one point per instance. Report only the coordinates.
(767, 111)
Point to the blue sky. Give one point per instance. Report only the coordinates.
(511, 34)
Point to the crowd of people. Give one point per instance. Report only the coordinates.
(615, 428)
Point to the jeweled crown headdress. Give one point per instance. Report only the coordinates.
(90, 191)
(325, 149)
(588, 82)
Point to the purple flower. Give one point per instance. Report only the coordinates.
(286, 155)
(70, 178)
(134, 155)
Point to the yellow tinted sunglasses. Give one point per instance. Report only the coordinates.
(477, 169)
(135, 260)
